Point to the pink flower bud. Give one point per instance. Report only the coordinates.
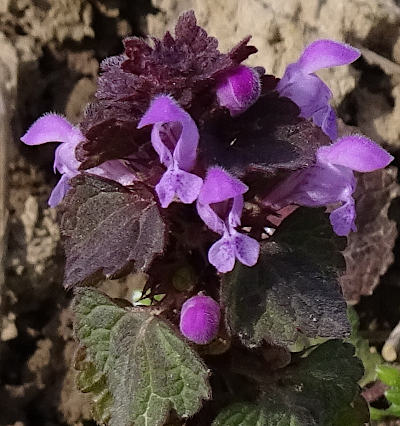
(200, 317)
(239, 89)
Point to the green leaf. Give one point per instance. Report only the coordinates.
(293, 288)
(369, 359)
(319, 390)
(148, 368)
(389, 375)
(89, 379)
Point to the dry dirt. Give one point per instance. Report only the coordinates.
(49, 56)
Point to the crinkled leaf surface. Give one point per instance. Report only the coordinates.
(319, 390)
(369, 252)
(268, 137)
(89, 379)
(148, 368)
(108, 229)
(369, 359)
(185, 66)
(293, 288)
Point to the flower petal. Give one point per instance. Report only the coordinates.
(326, 119)
(355, 152)
(222, 254)
(247, 249)
(51, 128)
(164, 109)
(326, 53)
(64, 159)
(178, 182)
(219, 186)
(59, 191)
(239, 89)
(343, 218)
(114, 170)
(236, 211)
(199, 320)
(210, 218)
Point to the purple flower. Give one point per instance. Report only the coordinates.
(331, 179)
(309, 92)
(55, 128)
(238, 89)
(199, 321)
(175, 138)
(220, 205)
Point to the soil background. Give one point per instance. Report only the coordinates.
(50, 51)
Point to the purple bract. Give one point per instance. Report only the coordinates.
(175, 138)
(309, 92)
(331, 179)
(200, 316)
(220, 205)
(237, 90)
(55, 128)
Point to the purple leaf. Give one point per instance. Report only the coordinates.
(199, 322)
(108, 230)
(369, 251)
(269, 137)
(185, 66)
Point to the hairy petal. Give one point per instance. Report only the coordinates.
(186, 186)
(309, 92)
(199, 320)
(238, 89)
(51, 128)
(325, 54)
(219, 185)
(164, 109)
(355, 152)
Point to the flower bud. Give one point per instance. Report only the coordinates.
(238, 89)
(200, 317)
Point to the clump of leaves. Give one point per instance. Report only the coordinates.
(390, 376)
(210, 177)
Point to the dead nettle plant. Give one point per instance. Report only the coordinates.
(212, 178)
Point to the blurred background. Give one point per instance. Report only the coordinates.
(50, 51)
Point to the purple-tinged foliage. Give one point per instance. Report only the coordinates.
(175, 137)
(185, 66)
(268, 137)
(309, 92)
(238, 89)
(108, 230)
(220, 205)
(199, 321)
(55, 128)
(331, 180)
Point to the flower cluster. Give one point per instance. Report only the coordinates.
(156, 105)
